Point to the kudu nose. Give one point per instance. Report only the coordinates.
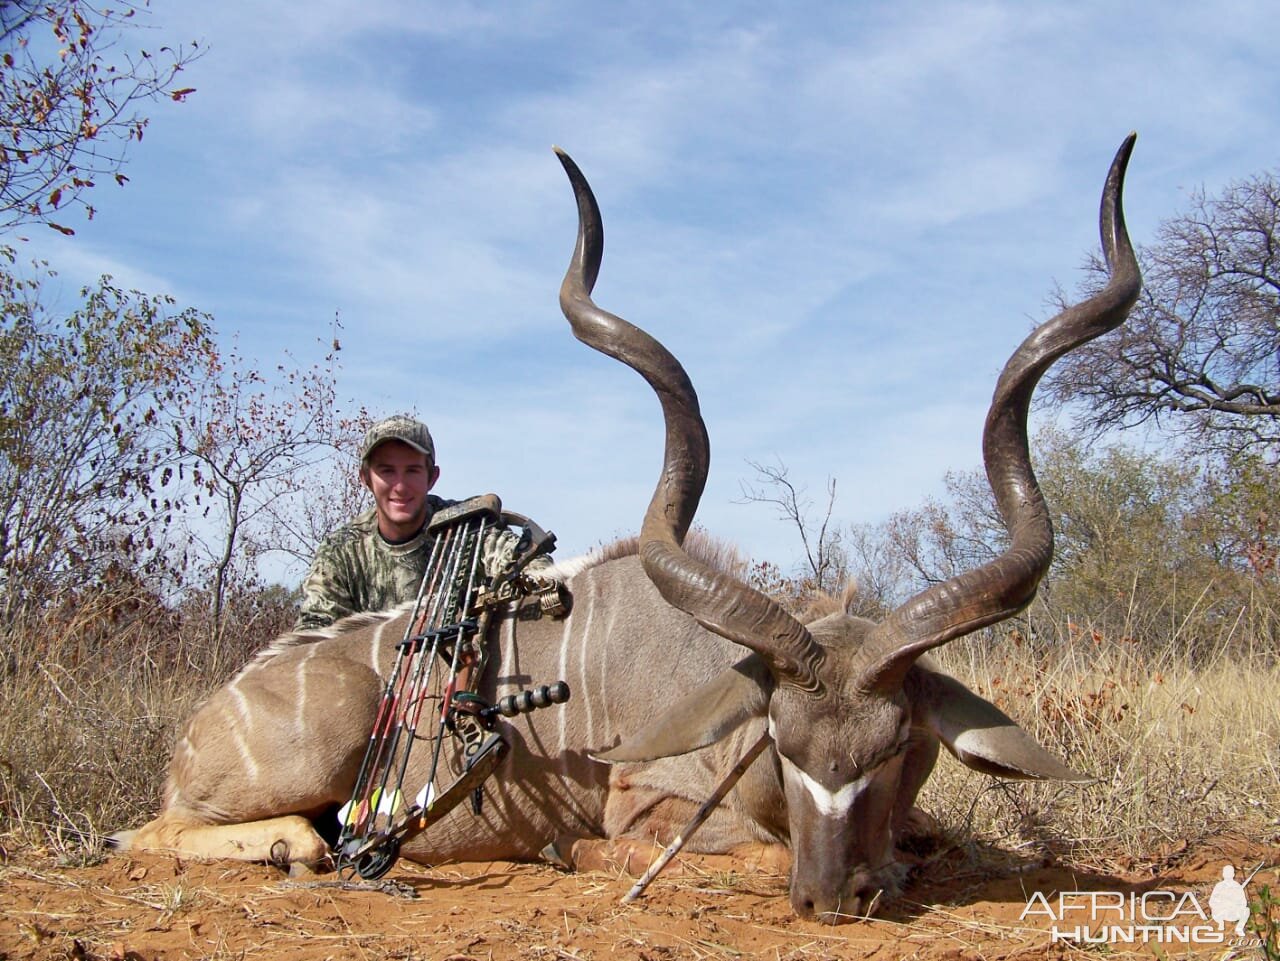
(856, 903)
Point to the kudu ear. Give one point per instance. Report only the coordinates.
(978, 733)
(703, 716)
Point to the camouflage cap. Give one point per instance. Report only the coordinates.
(402, 428)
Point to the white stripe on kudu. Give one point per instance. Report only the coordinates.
(831, 804)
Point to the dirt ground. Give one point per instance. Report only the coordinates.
(956, 905)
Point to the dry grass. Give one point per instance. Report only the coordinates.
(1180, 750)
(92, 695)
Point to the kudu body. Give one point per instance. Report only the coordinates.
(671, 683)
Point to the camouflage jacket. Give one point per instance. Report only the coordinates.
(355, 569)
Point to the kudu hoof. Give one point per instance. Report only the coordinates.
(618, 856)
(558, 854)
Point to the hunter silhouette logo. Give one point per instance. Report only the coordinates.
(1150, 917)
(1228, 902)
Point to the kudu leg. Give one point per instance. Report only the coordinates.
(633, 856)
(283, 840)
(642, 816)
(282, 741)
(908, 820)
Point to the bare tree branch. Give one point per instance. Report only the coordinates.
(1201, 351)
(822, 545)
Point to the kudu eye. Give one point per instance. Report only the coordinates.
(848, 769)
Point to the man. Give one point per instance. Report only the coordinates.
(377, 561)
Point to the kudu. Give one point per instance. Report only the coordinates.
(663, 688)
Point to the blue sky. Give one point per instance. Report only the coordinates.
(841, 216)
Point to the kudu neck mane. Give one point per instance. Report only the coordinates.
(715, 552)
(719, 555)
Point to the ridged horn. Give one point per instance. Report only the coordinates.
(717, 601)
(1007, 584)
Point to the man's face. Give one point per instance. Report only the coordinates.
(399, 478)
